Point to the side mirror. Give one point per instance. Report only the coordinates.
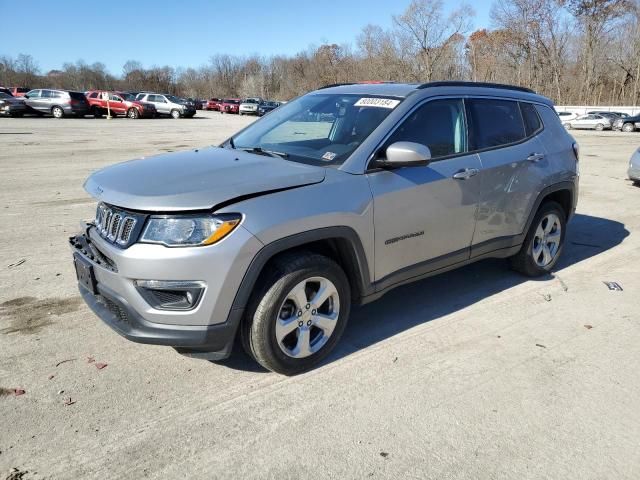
(406, 154)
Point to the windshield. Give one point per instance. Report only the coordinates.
(231, 101)
(4, 95)
(129, 97)
(251, 100)
(318, 129)
(174, 99)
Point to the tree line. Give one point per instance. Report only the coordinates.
(573, 51)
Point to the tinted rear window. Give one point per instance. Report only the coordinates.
(531, 120)
(77, 95)
(494, 123)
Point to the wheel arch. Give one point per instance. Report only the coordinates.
(340, 243)
(562, 193)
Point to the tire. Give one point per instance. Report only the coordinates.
(57, 112)
(567, 126)
(175, 114)
(599, 127)
(628, 127)
(96, 112)
(279, 344)
(532, 259)
(133, 113)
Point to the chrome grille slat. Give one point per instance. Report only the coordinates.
(114, 225)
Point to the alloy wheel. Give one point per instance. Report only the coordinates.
(546, 241)
(307, 317)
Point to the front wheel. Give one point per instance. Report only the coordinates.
(298, 315)
(544, 241)
(628, 127)
(599, 127)
(175, 114)
(133, 113)
(57, 112)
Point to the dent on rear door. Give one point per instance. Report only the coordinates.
(510, 184)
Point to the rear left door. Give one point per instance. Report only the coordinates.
(513, 168)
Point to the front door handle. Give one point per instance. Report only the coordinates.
(535, 157)
(466, 173)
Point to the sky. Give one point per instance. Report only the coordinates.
(186, 33)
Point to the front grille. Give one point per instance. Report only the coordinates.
(119, 312)
(117, 226)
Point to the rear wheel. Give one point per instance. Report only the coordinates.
(133, 113)
(599, 127)
(567, 126)
(57, 112)
(544, 241)
(96, 112)
(299, 314)
(175, 114)
(628, 127)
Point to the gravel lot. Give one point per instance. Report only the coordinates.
(477, 373)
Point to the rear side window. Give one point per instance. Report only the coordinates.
(94, 95)
(438, 124)
(46, 94)
(493, 123)
(531, 119)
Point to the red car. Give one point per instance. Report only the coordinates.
(19, 91)
(230, 105)
(120, 103)
(214, 104)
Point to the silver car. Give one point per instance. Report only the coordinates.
(334, 198)
(249, 106)
(590, 122)
(634, 167)
(168, 104)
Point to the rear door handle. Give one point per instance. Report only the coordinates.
(535, 157)
(466, 173)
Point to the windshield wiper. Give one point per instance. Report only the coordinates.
(262, 151)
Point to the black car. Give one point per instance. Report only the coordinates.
(6, 90)
(627, 124)
(266, 107)
(11, 106)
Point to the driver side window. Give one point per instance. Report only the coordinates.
(438, 124)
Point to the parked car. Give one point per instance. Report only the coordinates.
(58, 103)
(591, 122)
(168, 104)
(627, 124)
(6, 91)
(11, 106)
(604, 112)
(19, 91)
(274, 234)
(230, 105)
(266, 107)
(120, 103)
(634, 167)
(249, 106)
(566, 117)
(214, 104)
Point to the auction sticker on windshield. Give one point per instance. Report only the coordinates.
(377, 102)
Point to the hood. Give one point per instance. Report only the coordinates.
(196, 179)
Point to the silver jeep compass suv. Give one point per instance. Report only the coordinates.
(334, 198)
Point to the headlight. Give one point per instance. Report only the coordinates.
(189, 230)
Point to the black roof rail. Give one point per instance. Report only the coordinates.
(456, 83)
(336, 85)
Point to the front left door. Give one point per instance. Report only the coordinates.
(424, 216)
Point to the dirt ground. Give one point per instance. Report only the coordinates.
(477, 373)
